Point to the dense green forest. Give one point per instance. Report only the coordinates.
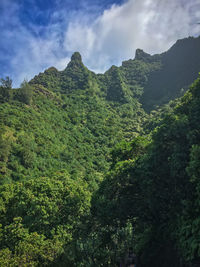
(93, 164)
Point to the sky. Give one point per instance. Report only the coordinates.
(38, 34)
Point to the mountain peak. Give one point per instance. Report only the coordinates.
(140, 54)
(76, 56)
(76, 61)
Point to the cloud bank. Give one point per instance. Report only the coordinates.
(152, 25)
(103, 40)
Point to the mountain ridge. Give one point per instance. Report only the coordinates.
(153, 79)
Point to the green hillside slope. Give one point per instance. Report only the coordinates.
(67, 124)
(154, 186)
(89, 167)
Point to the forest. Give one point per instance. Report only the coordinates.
(92, 165)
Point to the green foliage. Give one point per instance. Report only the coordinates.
(6, 83)
(24, 94)
(39, 219)
(116, 88)
(179, 67)
(73, 131)
(6, 141)
(5, 89)
(157, 189)
(70, 135)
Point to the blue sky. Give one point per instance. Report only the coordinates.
(37, 34)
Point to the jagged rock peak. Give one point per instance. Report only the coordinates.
(76, 56)
(76, 62)
(140, 54)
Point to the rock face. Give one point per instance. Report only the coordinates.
(162, 77)
(179, 67)
(76, 61)
(141, 55)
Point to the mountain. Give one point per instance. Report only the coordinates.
(163, 77)
(152, 79)
(66, 120)
(179, 67)
(89, 167)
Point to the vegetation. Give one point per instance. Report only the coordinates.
(86, 172)
(155, 186)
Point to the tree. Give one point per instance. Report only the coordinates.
(6, 139)
(25, 93)
(6, 86)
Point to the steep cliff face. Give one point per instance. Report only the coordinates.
(179, 66)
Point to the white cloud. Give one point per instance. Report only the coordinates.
(36, 56)
(153, 25)
(27, 52)
(113, 36)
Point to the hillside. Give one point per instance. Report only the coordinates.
(72, 129)
(153, 190)
(89, 167)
